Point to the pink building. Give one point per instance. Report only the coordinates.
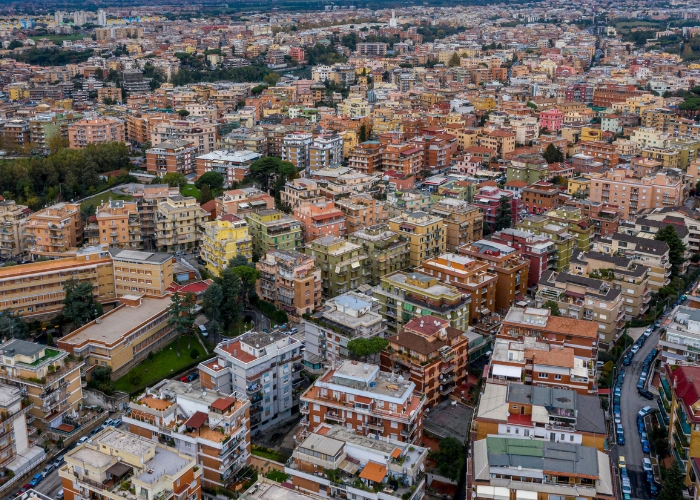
(465, 164)
(321, 219)
(488, 198)
(552, 119)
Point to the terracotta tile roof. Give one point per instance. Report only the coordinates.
(197, 420)
(240, 354)
(687, 382)
(223, 404)
(572, 326)
(417, 343)
(373, 472)
(563, 357)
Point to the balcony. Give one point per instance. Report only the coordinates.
(335, 417)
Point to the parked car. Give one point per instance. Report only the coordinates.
(644, 411)
(621, 439)
(621, 462)
(627, 361)
(646, 394)
(626, 489)
(24, 488)
(646, 463)
(117, 422)
(48, 469)
(645, 446)
(184, 378)
(634, 349)
(82, 440)
(38, 477)
(59, 494)
(192, 376)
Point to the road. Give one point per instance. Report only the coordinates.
(50, 485)
(630, 403)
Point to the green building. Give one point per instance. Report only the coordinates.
(344, 265)
(387, 251)
(274, 230)
(577, 224)
(564, 242)
(528, 168)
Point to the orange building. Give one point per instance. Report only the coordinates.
(361, 211)
(95, 131)
(321, 219)
(176, 155)
(601, 151)
(54, 230)
(367, 157)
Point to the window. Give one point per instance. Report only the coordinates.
(542, 375)
(571, 438)
(557, 377)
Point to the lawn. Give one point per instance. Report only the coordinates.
(105, 196)
(165, 364)
(263, 452)
(58, 39)
(190, 190)
(277, 476)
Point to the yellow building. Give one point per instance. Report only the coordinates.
(353, 107)
(51, 378)
(17, 91)
(484, 103)
(425, 234)
(591, 134)
(11, 216)
(141, 272)
(179, 222)
(222, 240)
(579, 185)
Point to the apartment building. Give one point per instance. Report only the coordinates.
(179, 221)
(563, 242)
(407, 200)
(174, 155)
(261, 366)
(618, 187)
(387, 251)
(681, 343)
(232, 165)
(380, 464)
(344, 265)
(541, 413)
(54, 230)
(222, 240)
(211, 427)
(326, 151)
(365, 400)
(147, 203)
(507, 457)
(366, 157)
(425, 234)
(604, 218)
(528, 168)
(462, 222)
(432, 355)
(321, 219)
(117, 223)
(200, 133)
(625, 275)
(290, 280)
(301, 191)
(274, 230)
(361, 210)
(404, 296)
(342, 319)
(490, 200)
(95, 131)
(114, 457)
(469, 276)
(51, 381)
(404, 158)
(680, 400)
(245, 140)
(499, 140)
(240, 202)
(645, 251)
(296, 149)
(508, 264)
(541, 197)
(585, 298)
(11, 229)
(125, 335)
(19, 452)
(539, 250)
(576, 223)
(372, 49)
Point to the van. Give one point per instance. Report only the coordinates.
(203, 331)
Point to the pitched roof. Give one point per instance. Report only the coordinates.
(373, 472)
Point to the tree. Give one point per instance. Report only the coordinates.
(15, 44)
(183, 113)
(258, 89)
(212, 179)
(211, 301)
(231, 289)
(454, 60)
(674, 484)
(449, 458)
(553, 306)
(262, 168)
(553, 155)
(271, 79)
(676, 247)
(79, 304)
(205, 194)
(173, 179)
(367, 348)
(101, 379)
(12, 326)
(248, 276)
(240, 260)
(181, 314)
(504, 219)
(362, 135)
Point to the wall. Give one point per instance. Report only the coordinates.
(115, 402)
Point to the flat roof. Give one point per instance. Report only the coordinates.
(138, 256)
(22, 348)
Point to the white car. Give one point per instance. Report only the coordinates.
(634, 349)
(646, 464)
(644, 411)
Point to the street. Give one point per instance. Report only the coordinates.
(630, 403)
(50, 485)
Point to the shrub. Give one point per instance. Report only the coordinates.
(194, 354)
(134, 378)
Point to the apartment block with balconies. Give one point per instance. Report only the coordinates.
(361, 211)
(425, 233)
(681, 342)
(19, 450)
(117, 224)
(179, 221)
(387, 250)
(53, 231)
(209, 426)
(222, 240)
(463, 222)
(321, 219)
(365, 400)
(262, 366)
(344, 265)
(290, 280)
(11, 218)
(645, 251)
(272, 229)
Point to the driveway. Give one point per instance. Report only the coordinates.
(630, 403)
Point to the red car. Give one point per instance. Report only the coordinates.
(24, 488)
(184, 378)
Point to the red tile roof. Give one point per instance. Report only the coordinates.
(197, 420)
(686, 380)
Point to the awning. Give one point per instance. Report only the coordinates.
(373, 472)
(492, 492)
(355, 265)
(197, 420)
(507, 371)
(119, 469)
(574, 294)
(525, 495)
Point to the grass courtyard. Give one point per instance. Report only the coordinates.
(98, 199)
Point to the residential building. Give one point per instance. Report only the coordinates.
(344, 265)
(403, 296)
(20, 452)
(321, 219)
(380, 464)
(148, 201)
(361, 210)
(626, 275)
(301, 191)
(425, 233)
(54, 230)
(494, 202)
(681, 343)
(386, 250)
(365, 400)
(141, 272)
(117, 224)
(261, 366)
(541, 413)
(529, 168)
(432, 355)
(499, 140)
(125, 335)
(618, 187)
(232, 165)
(564, 242)
(366, 157)
(211, 427)
(372, 49)
(585, 298)
(51, 381)
(576, 223)
(408, 200)
(645, 251)
(95, 131)
(539, 250)
(114, 457)
(179, 221)
(507, 457)
(295, 149)
(245, 140)
(604, 217)
(201, 133)
(290, 280)
(326, 151)
(240, 202)
(35, 290)
(462, 222)
(552, 119)
(541, 197)
(174, 155)
(601, 151)
(344, 318)
(222, 240)
(273, 230)
(507, 264)
(11, 220)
